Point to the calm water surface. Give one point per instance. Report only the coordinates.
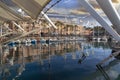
(58, 61)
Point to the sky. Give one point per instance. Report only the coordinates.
(73, 7)
(65, 6)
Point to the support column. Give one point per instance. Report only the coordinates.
(18, 26)
(111, 12)
(92, 11)
(48, 19)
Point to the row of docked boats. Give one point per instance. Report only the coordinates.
(26, 41)
(34, 41)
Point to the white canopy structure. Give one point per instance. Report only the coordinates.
(32, 7)
(7, 14)
(9, 11)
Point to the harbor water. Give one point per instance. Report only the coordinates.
(57, 61)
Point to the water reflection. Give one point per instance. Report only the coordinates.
(110, 71)
(54, 61)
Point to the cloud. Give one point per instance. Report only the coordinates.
(67, 1)
(94, 3)
(116, 1)
(74, 7)
(78, 11)
(59, 11)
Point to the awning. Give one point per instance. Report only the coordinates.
(32, 7)
(7, 14)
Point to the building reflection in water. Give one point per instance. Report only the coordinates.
(14, 59)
